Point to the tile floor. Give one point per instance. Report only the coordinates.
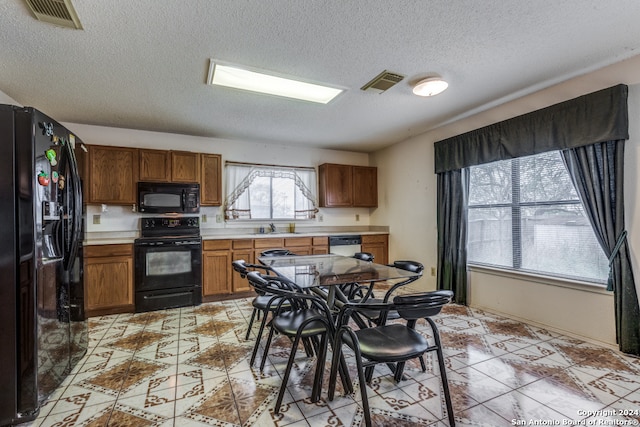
(189, 367)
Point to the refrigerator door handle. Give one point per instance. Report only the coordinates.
(77, 205)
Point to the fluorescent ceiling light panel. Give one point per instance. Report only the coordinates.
(240, 78)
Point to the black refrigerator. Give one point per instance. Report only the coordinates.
(43, 330)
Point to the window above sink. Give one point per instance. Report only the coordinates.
(260, 192)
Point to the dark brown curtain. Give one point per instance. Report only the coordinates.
(453, 190)
(597, 173)
(597, 117)
(591, 129)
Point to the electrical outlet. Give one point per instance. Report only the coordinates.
(204, 218)
(320, 218)
(433, 271)
(218, 218)
(357, 217)
(96, 219)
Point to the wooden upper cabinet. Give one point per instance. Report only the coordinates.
(336, 185)
(185, 166)
(155, 165)
(348, 186)
(112, 174)
(365, 186)
(211, 180)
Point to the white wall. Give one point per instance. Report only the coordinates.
(119, 218)
(408, 195)
(406, 203)
(6, 99)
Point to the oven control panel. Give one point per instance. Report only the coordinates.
(163, 226)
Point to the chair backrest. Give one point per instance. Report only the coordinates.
(285, 288)
(258, 281)
(240, 266)
(421, 305)
(267, 282)
(276, 252)
(364, 256)
(412, 266)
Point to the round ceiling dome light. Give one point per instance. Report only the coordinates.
(430, 86)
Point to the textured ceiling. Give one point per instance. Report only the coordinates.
(142, 64)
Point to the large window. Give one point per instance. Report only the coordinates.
(525, 214)
(269, 192)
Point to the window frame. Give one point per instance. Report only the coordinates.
(307, 188)
(516, 206)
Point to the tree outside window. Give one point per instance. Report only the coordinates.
(269, 192)
(525, 214)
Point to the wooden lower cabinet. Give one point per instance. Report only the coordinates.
(108, 278)
(299, 245)
(242, 249)
(320, 245)
(216, 268)
(378, 245)
(322, 250)
(109, 269)
(216, 273)
(219, 279)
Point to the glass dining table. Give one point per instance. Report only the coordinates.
(328, 271)
(322, 274)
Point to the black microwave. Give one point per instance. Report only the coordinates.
(159, 197)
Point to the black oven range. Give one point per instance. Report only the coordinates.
(168, 263)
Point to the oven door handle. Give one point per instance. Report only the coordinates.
(177, 294)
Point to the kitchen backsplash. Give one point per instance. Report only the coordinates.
(109, 218)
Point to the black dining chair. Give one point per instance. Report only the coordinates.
(273, 253)
(263, 303)
(364, 256)
(380, 318)
(393, 343)
(355, 290)
(308, 318)
(276, 252)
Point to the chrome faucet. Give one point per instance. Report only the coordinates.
(272, 227)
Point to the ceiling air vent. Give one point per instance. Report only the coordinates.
(57, 12)
(382, 82)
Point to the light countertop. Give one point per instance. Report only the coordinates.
(125, 237)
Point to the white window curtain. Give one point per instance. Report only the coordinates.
(239, 178)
